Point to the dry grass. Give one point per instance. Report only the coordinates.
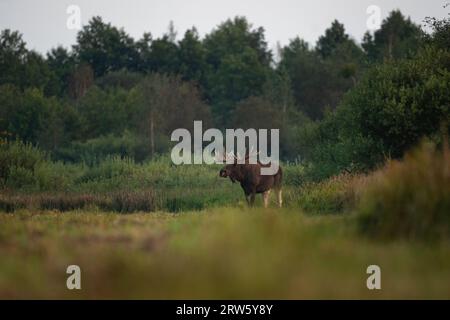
(124, 201)
(410, 198)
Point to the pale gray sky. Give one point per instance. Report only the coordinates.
(43, 22)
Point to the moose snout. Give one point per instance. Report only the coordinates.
(223, 173)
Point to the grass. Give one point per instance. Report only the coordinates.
(410, 198)
(154, 230)
(336, 195)
(217, 253)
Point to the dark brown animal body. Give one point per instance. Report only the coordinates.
(253, 182)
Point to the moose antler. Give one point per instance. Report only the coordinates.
(224, 157)
(251, 153)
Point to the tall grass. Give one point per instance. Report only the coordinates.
(410, 198)
(335, 195)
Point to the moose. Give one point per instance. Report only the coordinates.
(251, 180)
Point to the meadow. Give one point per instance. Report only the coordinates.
(155, 230)
(225, 253)
(86, 178)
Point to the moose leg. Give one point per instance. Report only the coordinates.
(247, 198)
(279, 198)
(266, 195)
(252, 199)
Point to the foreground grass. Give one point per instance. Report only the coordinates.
(214, 253)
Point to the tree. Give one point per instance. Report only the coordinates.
(119, 79)
(164, 103)
(163, 56)
(62, 65)
(21, 67)
(25, 115)
(388, 112)
(13, 54)
(238, 65)
(440, 36)
(319, 77)
(159, 55)
(192, 57)
(333, 38)
(105, 48)
(143, 46)
(257, 113)
(311, 81)
(103, 112)
(36, 73)
(80, 80)
(278, 90)
(398, 37)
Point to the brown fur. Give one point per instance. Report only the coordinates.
(252, 182)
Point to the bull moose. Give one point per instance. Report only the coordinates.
(252, 181)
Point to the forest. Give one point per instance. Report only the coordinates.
(113, 95)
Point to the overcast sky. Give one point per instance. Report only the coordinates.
(43, 22)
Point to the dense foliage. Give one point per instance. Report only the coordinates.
(340, 105)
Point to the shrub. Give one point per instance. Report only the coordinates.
(293, 174)
(334, 195)
(18, 162)
(387, 113)
(113, 166)
(67, 202)
(133, 201)
(123, 202)
(95, 150)
(11, 204)
(410, 198)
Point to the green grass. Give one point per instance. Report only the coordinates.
(155, 230)
(217, 253)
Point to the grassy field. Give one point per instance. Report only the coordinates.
(154, 230)
(217, 253)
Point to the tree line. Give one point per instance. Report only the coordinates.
(342, 104)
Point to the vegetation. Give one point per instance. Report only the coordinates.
(85, 169)
(217, 253)
(410, 199)
(111, 89)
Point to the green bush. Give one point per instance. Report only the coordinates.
(293, 174)
(387, 113)
(93, 151)
(113, 166)
(18, 162)
(410, 198)
(333, 195)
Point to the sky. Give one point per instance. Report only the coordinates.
(43, 23)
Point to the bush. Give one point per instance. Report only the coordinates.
(97, 149)
(334, 195)
(133, 201)
(113, 166)
(293, 174)
(123, 202)
(13, 203)
(385, 114)
(67, 202)
(18, 162)
(410, 198)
